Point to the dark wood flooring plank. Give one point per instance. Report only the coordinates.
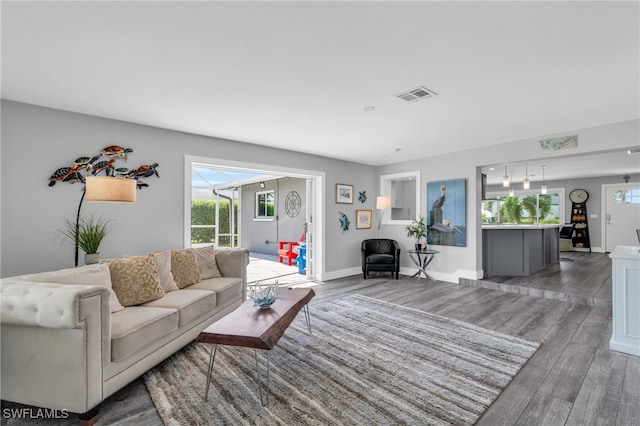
(513, 401)
(544, 409)
(505, 312)
(487, 314)
(570, 371)
(535, 321)
(629, 404)
(599, 396)
(596, 324)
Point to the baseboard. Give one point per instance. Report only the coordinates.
(334, 275)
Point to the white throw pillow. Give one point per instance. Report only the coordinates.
(163, 259)
(97, 275)
(206, 260)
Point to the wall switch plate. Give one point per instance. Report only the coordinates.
(593, 216)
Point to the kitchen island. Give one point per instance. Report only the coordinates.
(519, 250)
(625, 282)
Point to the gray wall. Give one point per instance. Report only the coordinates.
(36, 141)
(262, 236)
(466, 262)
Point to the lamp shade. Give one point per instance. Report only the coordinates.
(383, 203)
(110, 189)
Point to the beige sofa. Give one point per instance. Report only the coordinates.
(63, 347)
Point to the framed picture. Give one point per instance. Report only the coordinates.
(446, 207)
(344, 194)
(363, 219)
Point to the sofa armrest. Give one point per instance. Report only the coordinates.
(233, 263)
(43, 304)
(55, 339)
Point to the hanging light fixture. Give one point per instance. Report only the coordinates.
(525, 183)
(543, 188)
(512, 192)
(505, 179)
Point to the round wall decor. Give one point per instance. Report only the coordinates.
(292, 204)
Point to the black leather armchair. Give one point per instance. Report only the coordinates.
(380, 255)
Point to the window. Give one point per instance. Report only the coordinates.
(265, 204)
(522, 208)
(629, 196)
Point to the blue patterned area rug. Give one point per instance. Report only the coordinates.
(368, 362)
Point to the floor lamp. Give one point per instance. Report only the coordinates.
(105, 190)
(382, 203)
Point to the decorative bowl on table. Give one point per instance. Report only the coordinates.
(264, 296)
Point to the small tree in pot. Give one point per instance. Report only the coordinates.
(417, 230)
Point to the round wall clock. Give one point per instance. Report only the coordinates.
(579, 196)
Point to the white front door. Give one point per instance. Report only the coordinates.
(622, 215)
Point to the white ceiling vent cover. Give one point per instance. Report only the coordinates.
(416, 94)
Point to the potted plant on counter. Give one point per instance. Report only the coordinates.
(417, 230)
(88, 234)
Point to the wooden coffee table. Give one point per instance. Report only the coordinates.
(256, 328)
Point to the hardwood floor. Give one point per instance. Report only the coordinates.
(580, 277)
(573, 379)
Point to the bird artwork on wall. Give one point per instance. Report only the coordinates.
(362, 197)
(446, 222)
(105, 162)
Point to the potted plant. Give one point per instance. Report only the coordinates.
(88, 234)
(417, 230)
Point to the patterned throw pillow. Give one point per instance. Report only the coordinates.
(163, 258)
(184, 267)
(135, 279)
(206, 260)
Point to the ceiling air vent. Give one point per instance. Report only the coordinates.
(416, 94)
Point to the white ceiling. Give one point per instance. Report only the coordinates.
(298, 75)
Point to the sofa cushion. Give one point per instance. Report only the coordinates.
(190, 304)
(135, 279)
(136, 327)
(163, 260)
(184, 267)
(227, 289)
(97, 275)
(206, 260)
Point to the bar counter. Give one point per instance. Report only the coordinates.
(519, 250)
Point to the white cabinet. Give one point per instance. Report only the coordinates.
(625, 279)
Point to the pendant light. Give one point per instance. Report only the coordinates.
(543, 188)
(505, 179)
(512, 192)
(525, 183)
